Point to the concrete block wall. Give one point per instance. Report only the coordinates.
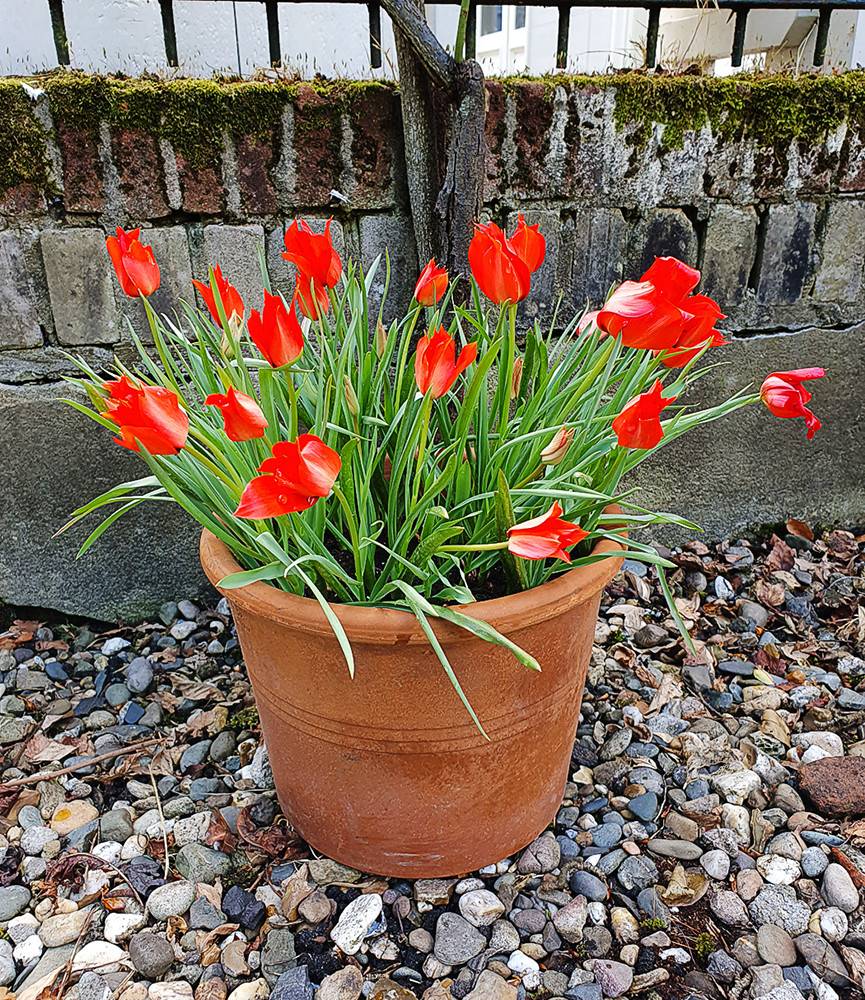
(613, 174)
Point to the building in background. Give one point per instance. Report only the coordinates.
(220, 36)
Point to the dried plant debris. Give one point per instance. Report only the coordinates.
(710, 843)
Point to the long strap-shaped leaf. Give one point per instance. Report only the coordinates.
(415, 602)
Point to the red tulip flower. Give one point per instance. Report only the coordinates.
(639, 423)
(241, 414)
(785, 396)
(436, 366)
(134, 263)
(503, 268)
(545, 537)
(529, 245)
(232, 303)
(297, 474)
(146, 415)
(276, 331)
(658, 312)
(431, 284)
(318, 265)
(699, 329)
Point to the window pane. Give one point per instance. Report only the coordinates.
(491, 18)
(520, 16)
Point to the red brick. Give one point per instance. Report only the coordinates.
(255, 157)
(376, 138)
(534, 112)
(139, 166)
(318, 160)
(23, 199)
(200, 187)
(83, 190)
(495, 133)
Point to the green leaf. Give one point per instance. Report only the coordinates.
(270, 571)
(412, 596)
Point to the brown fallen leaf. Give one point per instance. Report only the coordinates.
(277, 841)
(684, 888)
(799, 528)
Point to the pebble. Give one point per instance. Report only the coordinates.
(481, 907)
(838, 889)
(456, 940)
(354, 922)
(170, 900)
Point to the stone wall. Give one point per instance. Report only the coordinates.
(759, 182)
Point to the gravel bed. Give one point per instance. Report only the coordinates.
(710, 841)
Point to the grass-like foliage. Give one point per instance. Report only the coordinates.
(427, 463)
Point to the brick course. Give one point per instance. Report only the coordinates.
(776, 229)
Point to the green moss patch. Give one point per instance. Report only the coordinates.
(771, 110)
(23, 153)
(193, 114)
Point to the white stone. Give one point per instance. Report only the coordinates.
(191, 829)
(833, 924)
(716, 864)
(829, 743)
(28, 950)
(778, 870)
(64, 928)
(256, 990)
(101, 955)
(119, 927)
(170, 900)
(737, 819)
(526, 968)
(177, 990)
(481, 907)
(736, 786)
(354, 922)
(108, 850)
(133, 847)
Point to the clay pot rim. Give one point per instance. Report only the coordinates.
(383, 626)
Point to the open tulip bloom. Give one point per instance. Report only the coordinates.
(448, 455)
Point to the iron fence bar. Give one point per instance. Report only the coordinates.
(272, 9)
(58, 29)
(169, 31)
(564, 29)
(822, 35)
(374, 35)
(652, 37)
(472, 31)
(699, 5)
(739, 27)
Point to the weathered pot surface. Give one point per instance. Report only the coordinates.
(386, 772)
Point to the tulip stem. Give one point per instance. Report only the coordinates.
(351, 521)
(292, 407)
(507, 374)
(530, 477)
(403, 355)
(426, 410)
(199, 456)
(462, 23)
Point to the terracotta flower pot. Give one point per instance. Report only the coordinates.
(386, 772)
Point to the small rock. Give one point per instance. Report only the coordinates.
(775, 945)
(541, 856)
(838, 889)
(836, 785)
(344, 984)
(354, 922)
(170, 900)
(151, 954)
(614, 978)
(481, 907)
(456, 941)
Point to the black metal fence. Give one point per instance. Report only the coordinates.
(740, 8)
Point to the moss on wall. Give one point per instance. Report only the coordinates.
(193, 114)
(23, 154)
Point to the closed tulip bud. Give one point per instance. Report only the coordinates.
(350, 396)
(556, 450)
(380, 338)
(516, 378)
